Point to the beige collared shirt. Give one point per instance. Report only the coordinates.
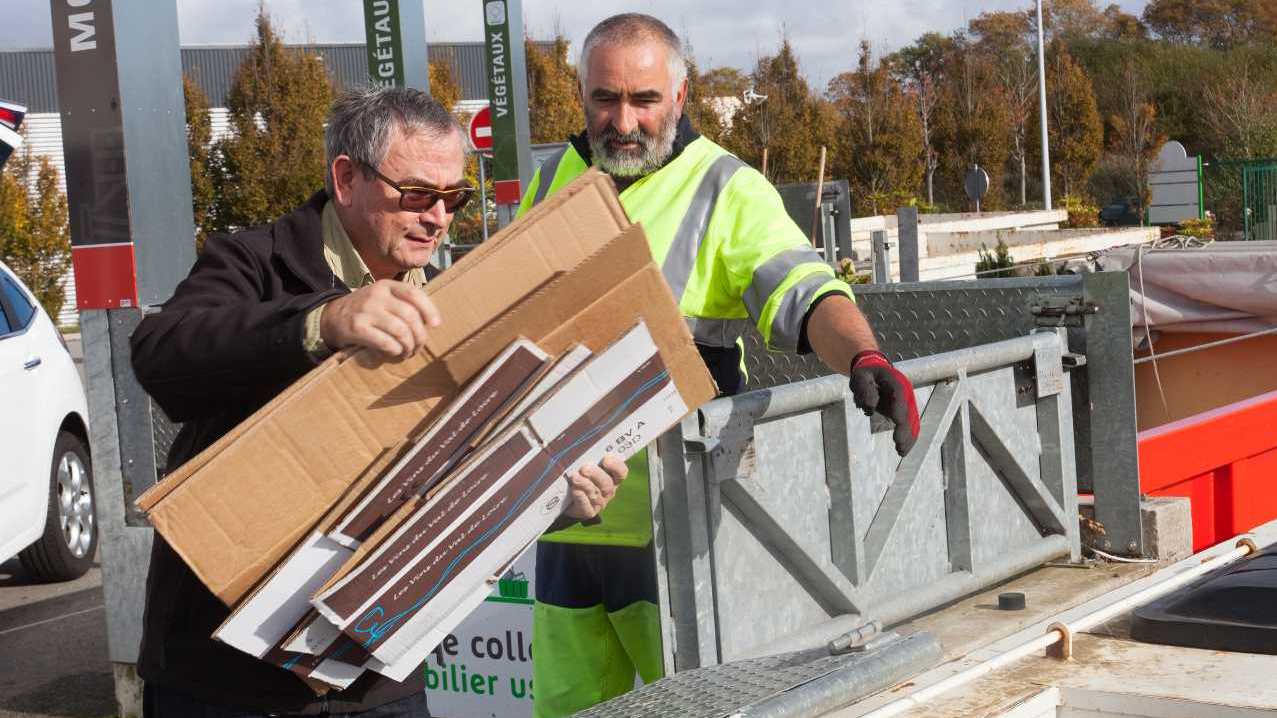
(350, 268)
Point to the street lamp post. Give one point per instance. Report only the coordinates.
(1046, 147)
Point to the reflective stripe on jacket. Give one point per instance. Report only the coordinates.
(729, 251)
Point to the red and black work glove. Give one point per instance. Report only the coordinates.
(876, 385)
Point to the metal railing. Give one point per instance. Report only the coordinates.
(784, 517)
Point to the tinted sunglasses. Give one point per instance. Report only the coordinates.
(415, 198)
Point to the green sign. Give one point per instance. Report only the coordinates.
(505, 155)
(385, 47)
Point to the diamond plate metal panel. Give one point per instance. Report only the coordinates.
(918, 319)
(145, 433)
(784, 684)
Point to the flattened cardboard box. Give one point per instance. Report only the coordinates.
(399, 601)
(571, 270)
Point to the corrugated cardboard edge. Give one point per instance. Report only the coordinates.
(592, 181)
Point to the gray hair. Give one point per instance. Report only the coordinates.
(361, 120)
(632, 28)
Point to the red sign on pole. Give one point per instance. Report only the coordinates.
(481, 130)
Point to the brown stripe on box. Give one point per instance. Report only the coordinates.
(399, 600)
(454, 499)
(412, 591)
(440, 446)
(303, 665)
(625, 398)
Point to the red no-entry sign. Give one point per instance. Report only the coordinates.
(481, 130)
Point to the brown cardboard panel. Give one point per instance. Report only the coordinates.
(236, 509)
(366, 480)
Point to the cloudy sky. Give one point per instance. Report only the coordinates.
(722, 32)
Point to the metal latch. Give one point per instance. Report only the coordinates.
(1072, 360)
(700, 444)
(1057, 311)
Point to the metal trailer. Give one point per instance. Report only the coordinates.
(789, 535)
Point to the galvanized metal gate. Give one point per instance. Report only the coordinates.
(784, 517)
(923, 318)
(1259, 200)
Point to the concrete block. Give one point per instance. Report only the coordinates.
(1167, 524)
(128, 690)
(1168, 527)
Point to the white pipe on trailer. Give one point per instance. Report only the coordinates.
(1058, 632)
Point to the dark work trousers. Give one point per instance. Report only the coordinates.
(160, 702)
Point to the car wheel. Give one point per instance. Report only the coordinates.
(70, 539)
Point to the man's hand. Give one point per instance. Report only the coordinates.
(590, 488)
(388, 315)
(876, 385)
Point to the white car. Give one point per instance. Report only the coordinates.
(46, 481)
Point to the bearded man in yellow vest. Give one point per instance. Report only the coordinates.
(732, 257)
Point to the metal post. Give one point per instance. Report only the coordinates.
(412, 33)
(881, 257)
(119, 77)
(508, 95)
(1114, 459)
(396, 41)
(1046, 147)
(907, 240)
(483, 197)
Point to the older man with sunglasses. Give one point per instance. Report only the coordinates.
(263, 306)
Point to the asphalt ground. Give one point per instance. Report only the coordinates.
(53, 654)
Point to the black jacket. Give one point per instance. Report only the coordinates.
(227, 342)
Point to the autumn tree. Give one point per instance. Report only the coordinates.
(879, 148)
(1004, 37)
(443, 82)
(1214, 23)
(35, 239)
(995, 31)
(1135, 138)
(1239, 106)
(1071, 20)
(554, 100)
(1074, 128)
(1121, 25)
(713, 98)
(920, 69)
(274, 158)
(972, 124)
(791, 124)
(199, 137)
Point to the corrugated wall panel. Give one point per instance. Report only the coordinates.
(27, 76)
(213, 68)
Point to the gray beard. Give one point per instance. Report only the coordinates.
(651, 155)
